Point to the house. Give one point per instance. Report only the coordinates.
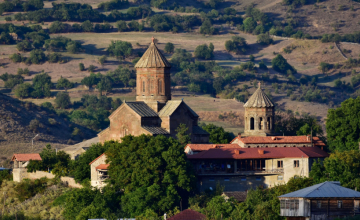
(99, 171)
(76, 150)
(324, 201)
(240, 169)
(188, 214)
(20, 162)
(153, 112)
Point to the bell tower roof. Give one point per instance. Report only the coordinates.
(259, 100)
(152, 58)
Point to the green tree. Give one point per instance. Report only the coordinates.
(102, 60)
(57, 27)
(87, 26)
(121, 26)
(342, 126)
(280, 64)
(24, 46)
(64, 83)
(105, 85)
(23, 90)
(74, 47)
(325, 67)
(237, 45)
(249, 24)
(41, 81)
(89, 81)
(217, 134)
(339, 166)
(169, 47)
(4, 175)
(182, 134)
(204, 52)
(192, 87)
(81, 67)
(264, 39)
(62, 100)
(219, 208)
(120, 49)
(153, 173)
(207, 28)
(37, 56)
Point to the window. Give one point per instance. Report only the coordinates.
(243, 178)
(252, 123)
(260, 123)
(160, 86)
(292, 204)
(226, 179)
(318, 204)
(280, 164)
(143, 86)
(296, 163)
(211, 179)
(280, 177)
(258, 178)
(289, 204)
(282, 204)
(268, 123)
(340, 204)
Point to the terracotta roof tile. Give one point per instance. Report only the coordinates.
(96, 159)
(102, 167)
(26, 157)
(202, 147)
(255, 153)
(188, 214)
(279, 139)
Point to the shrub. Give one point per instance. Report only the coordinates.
(207, 28)
(204, 52)
(54, 58)
(62, 100)
(74, 47)
(81, 67)
(16, 58)
(120, 49)
(102, 60)
(24, 46)
(7, 18)
(237, 45)
(280, 64)
(64, 83)
(262, 65)
(91, 68)
(34, 125)
(37, 56)
(23, 90)
(264, 39)
(121, 26)
(25, 71)
(169, 47)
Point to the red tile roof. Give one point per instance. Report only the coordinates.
(255, 153)
(188, 214)
(278, 139)
(102, 167)
(96, 159)
(26, 157)
(201, 147)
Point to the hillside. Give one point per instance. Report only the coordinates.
(18, 127)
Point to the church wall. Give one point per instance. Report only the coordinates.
(150, 122)
(180, 116)
(257, 113)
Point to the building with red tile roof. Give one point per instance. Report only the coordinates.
(20, 162)
(99, 171)
(25, 157)
(188, 214)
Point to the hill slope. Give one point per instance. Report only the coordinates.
(21, 121)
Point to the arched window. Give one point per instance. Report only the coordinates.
(268, 123)
(143, 86)
(252, 123)
(257, 146)
(284, 146)
(248, 146)
(151, 86)
(266, 146)
(275, 146)
(160, 86)
(260, 123)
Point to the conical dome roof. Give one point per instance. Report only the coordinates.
(259, 100)
(152, 58)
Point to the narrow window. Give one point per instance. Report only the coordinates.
(318, 204)
(282, 204)
(340, 204)
(280, 164)
(143, 86)
(258, 178)
(260, 123)
(296, 204)
(243, 178)
(280, 177)
(296, 163)
(160, 86)
(292, 204)
(268, 123)
(252, 122)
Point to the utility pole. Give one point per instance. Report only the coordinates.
(32, 141)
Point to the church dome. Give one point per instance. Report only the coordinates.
(152, 58)
(259, 100)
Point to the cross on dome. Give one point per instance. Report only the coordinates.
(152, 39)
(259, 85)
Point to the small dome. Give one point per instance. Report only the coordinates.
(152, 58)
(259, 100)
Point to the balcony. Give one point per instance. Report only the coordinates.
(211, 172)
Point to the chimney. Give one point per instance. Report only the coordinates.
(236, 151)
(261, 151)
(273, 138)
(239, 135)
(307, 137)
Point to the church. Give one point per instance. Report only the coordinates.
(153, 112)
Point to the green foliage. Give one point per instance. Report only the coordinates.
(62, 100)
(91, 68)
(16, 58)
(102, 60)
(89, 81)
(325, 67)
(54, 58)
(339, 166)
(249, 25)
(237, 45)
(121, 26)
(41, 84)
(152, 171)
(64, 83)
(23, 90)
(217, 134)
(207, 28)
(29, 188)
(113, 4)
(219, 208)
(37, 56)
(262, 65)
(5, 175)
(24, 71)
(192, 87)
(121, 76)
(58, 27)
(74, 47)
(342, 125)
(204, 52)
(280, 64)
(24, 46)
(264, 39)
(105, 84)
(81, 66)
(182, 134)
(169, 47)
(120, 49)
(11, 80)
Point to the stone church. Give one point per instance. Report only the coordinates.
(153, 112)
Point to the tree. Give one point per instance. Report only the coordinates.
(91, 68)
(120, 49)
(24, 46)
(64, 83)
(62, 100)
(81, 67)
(5, 38)
(87, 26)
(153, 173)
(54, 58)
(102, 60)
(192, 87)
(237, 45)
(339, 166)
(217, 134)
(89, 81)
(204, 52)
(37, 56)
(219, 208)
(264, 39)
(182, 134)
(23, 90)
(41, 80)
(280, 64)
(121, 26)
(105, 84)
(342, 126)
(249, 24)
(74, 47)
(207, 28)
(169, 47)
(57, 27)
(325, 67)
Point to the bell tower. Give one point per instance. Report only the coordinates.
(259, 115)
(153, 78)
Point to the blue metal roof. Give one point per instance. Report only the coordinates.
(328, 189)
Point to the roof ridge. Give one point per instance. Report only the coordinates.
(259, 99)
